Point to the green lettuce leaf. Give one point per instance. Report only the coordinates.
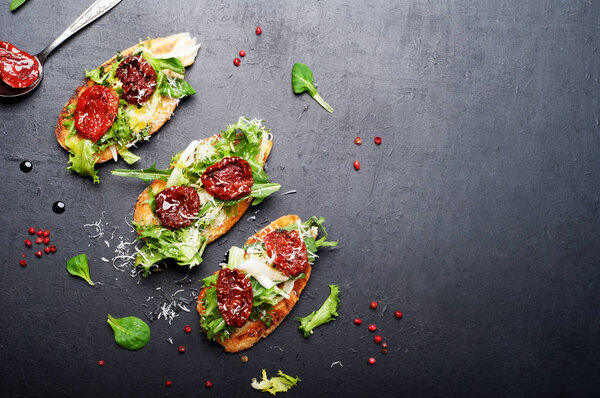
(325, 314)
(128, 156)
(173, 87)
(275, 384)
(82, 157)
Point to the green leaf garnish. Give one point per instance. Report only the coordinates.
(149, 174)
(14, 4)
(78, 266)
(302, 80)
(325, 314)
(275, 384)
(82, 157)
(130, 332)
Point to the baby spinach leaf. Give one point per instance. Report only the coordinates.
(78, 266)
(173, 87)
(302, 80)
(14, 4)
(325, 314)
(130, 332)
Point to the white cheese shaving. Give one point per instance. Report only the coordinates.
(265, 275)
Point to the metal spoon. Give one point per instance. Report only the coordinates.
(95, 11)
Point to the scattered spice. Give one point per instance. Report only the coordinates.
(373, 305)
(40, 232)
(384, 351)
(258, 30)
(398, 314)
(237, 62)
(371, 361)
(384, 345)
(357, 321)
(168, 383)
(100, 363)
(242, 53)
(32, 231)
(181, 349)
(53, 249)
(372, 328)
(46, 241)
(27, 243)
(46, 232)
(38, 254)
(39, 240)
(187, 329)
(23, 263)
(208, 384)
(377, 339)
(358, 140)
(357, 165)
(47, 250)
(244, 359)
(377, 140)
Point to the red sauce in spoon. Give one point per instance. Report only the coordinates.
(17, 68)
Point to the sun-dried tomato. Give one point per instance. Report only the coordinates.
(138, 78)
(288, 251)
(228, 179)
(177, 207)
(95, 112)
(234, 296)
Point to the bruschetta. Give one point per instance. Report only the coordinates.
(206, 190)
(260, 284)
(124, 101)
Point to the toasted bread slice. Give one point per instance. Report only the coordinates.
(144, 215)
(181, 46)
(246, 336)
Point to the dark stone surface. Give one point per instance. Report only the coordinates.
(477, 216)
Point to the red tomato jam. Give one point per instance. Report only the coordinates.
(96, 111)
(17, 68)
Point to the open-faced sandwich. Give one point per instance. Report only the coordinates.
(202, 195)
(124, 101)
(260, 284)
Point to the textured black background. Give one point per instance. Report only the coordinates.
(477, 216)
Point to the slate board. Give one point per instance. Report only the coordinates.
(477, 216)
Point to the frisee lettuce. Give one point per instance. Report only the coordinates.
(275, 384)
(82, 157)
(326, 313)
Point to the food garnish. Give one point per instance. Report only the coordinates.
(325, 314)
(302, 80)
(130, 332)
(275, 384)
(78, 266)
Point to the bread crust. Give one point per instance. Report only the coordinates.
(248, 335)
(144, 215)
(159, 47)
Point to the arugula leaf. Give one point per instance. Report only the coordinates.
(323, 315)
(302, 80)
(14, 4)
(275, 384)
(148, 175)
(130, 332)
(78, 266)
(82, 157)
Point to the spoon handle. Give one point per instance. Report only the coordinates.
(96, 10)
